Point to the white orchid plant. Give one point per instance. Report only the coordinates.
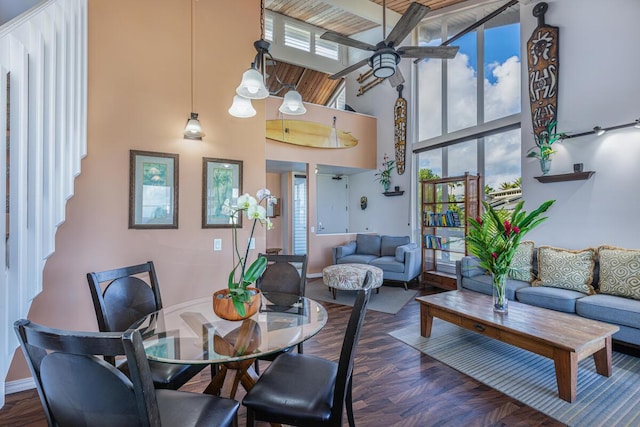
(251, 207)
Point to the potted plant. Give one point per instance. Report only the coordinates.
(245, 299)
(543, 149)
(383, 176)
(494, 238)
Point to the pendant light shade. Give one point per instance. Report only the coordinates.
(242, 107)
(292, 104)
(384, 63)
(193, 130)
(252, 85)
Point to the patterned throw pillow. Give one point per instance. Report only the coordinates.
(619, 272)
(522, 263)
(563, 268)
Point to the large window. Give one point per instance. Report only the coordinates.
(469, 106)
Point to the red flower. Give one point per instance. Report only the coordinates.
(507, 228)
(516, 229)
(494, 255)
(479, 220)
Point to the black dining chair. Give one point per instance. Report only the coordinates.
(127, 298)
(78, 388)
(304, 390)
(285, 274)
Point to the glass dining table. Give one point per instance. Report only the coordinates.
(191, 333)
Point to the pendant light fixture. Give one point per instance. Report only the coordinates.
(193, 130)
(253, 85)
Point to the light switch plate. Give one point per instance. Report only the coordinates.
(217, 244)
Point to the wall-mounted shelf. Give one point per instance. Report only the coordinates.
(575, 176)
(393, 193)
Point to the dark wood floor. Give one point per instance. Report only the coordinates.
(394, 384)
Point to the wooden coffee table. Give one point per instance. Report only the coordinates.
(565, 338)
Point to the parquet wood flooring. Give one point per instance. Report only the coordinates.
(394, 384)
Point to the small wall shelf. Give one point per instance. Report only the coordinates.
(393, 193)
(575, 176)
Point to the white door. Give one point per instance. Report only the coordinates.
(332, 204)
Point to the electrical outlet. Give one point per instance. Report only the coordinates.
(217, 244)
(252, 243)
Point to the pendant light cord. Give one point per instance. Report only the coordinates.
(261, 19)
(192, 49)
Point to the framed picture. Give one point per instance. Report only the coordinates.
(221, 184)
(153, 190)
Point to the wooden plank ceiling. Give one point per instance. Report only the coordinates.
(314, 86)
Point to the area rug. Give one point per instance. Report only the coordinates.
(390, 299)
(530, 378)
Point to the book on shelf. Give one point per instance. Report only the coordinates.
(448, 218)
(432, 241)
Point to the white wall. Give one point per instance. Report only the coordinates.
(598, 85)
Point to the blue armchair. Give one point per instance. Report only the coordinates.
(398, 258)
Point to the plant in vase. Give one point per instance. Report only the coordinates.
(543, 149)
(383, 176)
(494, 238)
(243, 276)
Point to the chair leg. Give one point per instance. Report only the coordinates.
(333, 292)
(406, 288)
(349, 403)
(251, 422)
(257, 367)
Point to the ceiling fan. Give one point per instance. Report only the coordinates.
(386, 55)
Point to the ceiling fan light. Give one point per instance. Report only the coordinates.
(193, 130)
(292, 104)
(252, 85)
(384, 64)
(242, 107)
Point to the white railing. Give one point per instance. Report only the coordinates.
(43, 105)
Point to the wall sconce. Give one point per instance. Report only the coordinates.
(193, 130)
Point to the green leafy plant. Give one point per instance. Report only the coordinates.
(545, 140)
(494, 237)
(249, 206)
(383, 176)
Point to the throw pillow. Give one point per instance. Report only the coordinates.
(388, 244)
(619, 272)
(522, 263)
(368, 244)
(563, 268)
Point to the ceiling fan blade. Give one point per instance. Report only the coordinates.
(349, 69)
(347, 41)
(396, 79)
(411, 17)
(443, 52)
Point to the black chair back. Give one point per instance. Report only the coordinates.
(282, 274)
(77, 387)
(348, 352)
(126, 298)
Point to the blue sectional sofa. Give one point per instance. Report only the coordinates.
(611, 295)
(398, 258)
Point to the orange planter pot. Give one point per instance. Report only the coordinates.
(224, 308)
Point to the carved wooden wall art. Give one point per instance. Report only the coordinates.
(543, 64)
(400, 130)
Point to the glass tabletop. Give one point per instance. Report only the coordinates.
(191, 333)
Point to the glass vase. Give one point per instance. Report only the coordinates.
(500, 301)
(545, 166)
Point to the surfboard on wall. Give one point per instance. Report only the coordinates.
(309, 134)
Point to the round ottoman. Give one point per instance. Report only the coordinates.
(349, 277)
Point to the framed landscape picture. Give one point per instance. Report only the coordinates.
(153, 190)
(221, 185)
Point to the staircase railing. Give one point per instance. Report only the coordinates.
(43, 105)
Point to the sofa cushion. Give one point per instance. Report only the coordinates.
(368, 244)
(401, 250)
(484, 284)
(356, 259)
(522, 263)
(619, 272)
(388, 244)
(567, 269)
(388, 263)
(552, 298)
(610, 309)
(469, 267)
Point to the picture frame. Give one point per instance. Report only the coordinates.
(153, 190)
(221, 182)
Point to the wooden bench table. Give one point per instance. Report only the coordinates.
(562, 337)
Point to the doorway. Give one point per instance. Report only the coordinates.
(332, 207)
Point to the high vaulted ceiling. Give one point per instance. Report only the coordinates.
(347, 17)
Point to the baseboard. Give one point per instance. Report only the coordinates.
(313, 275)
(19, 385)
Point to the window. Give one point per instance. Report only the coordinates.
(297, 37)
(268, 28)
(338, 100)
(327, 48)
(469, 106)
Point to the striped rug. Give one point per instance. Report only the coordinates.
(530, 378)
